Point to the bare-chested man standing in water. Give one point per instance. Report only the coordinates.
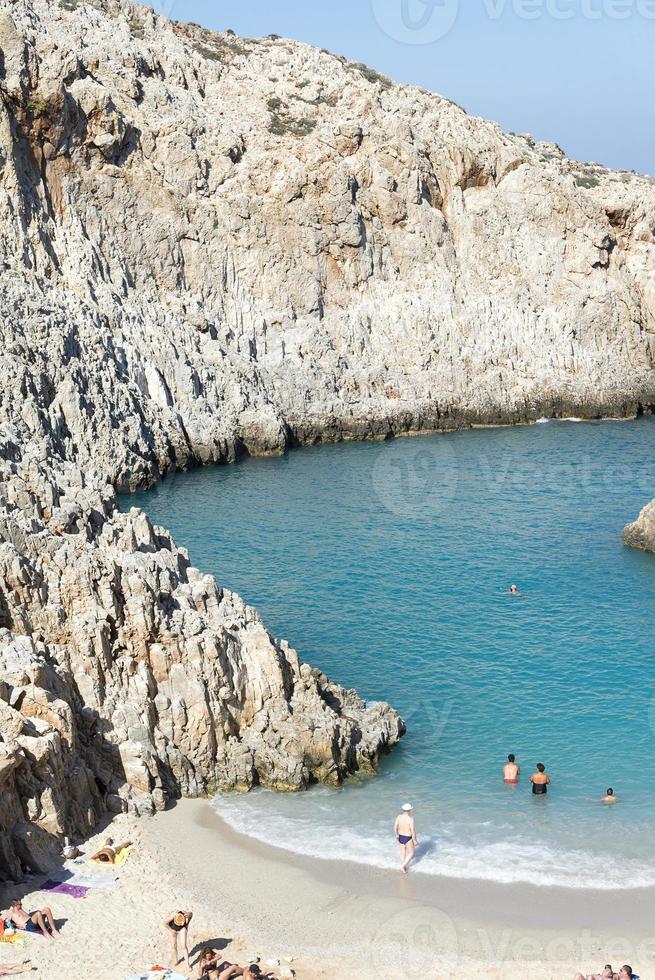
(511, 771)
(405, 832)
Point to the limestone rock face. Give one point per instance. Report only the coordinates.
(209, 246)
(129, 678)
(641, 533)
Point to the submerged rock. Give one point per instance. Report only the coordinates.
(641, 533)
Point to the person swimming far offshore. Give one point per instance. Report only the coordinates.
(405, 831)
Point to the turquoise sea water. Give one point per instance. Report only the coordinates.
(387, 564)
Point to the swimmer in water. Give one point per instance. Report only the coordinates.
(540, 780)
(405, 832)
(514, 590)
(609, 797)
(511, 771)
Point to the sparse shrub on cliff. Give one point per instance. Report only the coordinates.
(305, 82)
(69, 4)
(372, 76)
(303, 127)
(209, 53)
(38, 107)
(587, 182)
(331, 100)
(289, 126)
(283, 123)
(277, 127)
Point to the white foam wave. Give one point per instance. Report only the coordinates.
(574, 418)
(505, 861)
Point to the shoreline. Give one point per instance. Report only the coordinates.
(332, 918)
(326, 438)
(342, 913)
(513, 904)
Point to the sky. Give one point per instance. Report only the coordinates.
(578, 72)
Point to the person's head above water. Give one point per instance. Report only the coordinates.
(541, 767)
(610, 792)
(407, 807)
(511, 757)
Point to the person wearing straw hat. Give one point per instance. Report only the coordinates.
(178, 924)
(405, 832)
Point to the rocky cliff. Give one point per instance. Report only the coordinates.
(209, 246)
(641, 533)
(212, 244)
(128, 678)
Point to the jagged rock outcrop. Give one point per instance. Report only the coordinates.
(208, 246)
(129, 678)
(641, 533)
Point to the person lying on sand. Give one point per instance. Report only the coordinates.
(607, 974)
(42, 920)
(625, 973)
(609, 797)
(225, 971)
(108, 853)
(178, 923)
(405, 832)
(12, 970)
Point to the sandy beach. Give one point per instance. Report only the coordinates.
(332, 919)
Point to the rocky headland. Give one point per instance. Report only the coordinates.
(212, 246)
(641, 533)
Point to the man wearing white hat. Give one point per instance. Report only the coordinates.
(405, 832)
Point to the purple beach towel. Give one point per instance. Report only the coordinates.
(63, 888)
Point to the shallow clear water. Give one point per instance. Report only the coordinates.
(387, 564)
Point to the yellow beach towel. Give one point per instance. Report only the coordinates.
(122, 857)
(119, 860)
(14, 938)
